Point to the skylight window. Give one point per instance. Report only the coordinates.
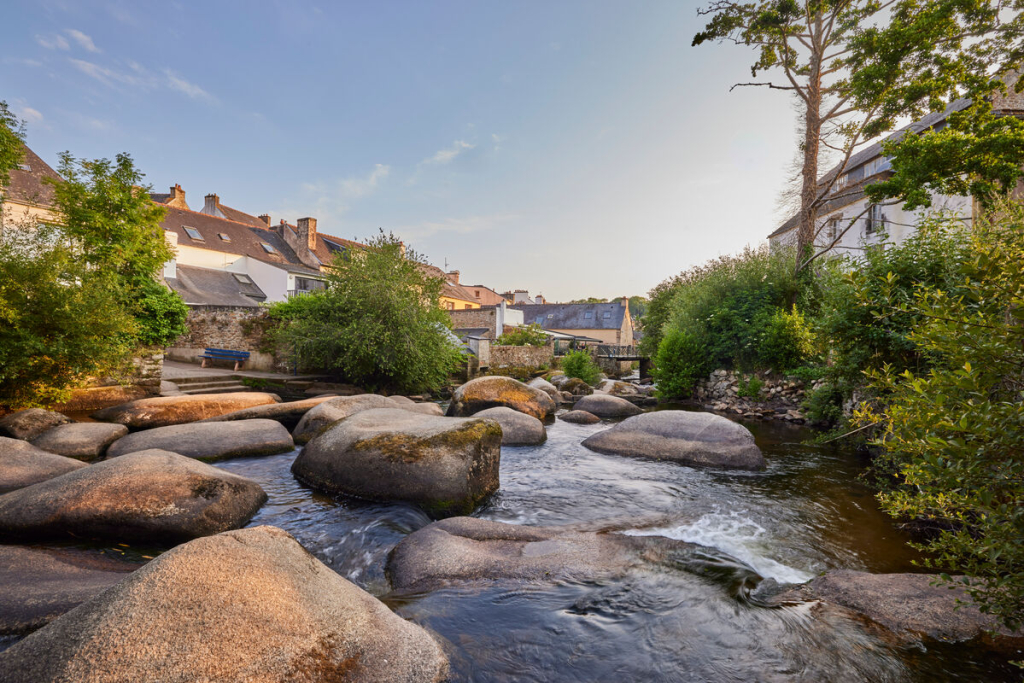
(243, 278)
(25, 167)
(193, 233)
(588, 315)
(226, 238)
(267, 248)
(607, 314)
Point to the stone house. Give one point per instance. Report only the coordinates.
(605, 323)
(872, 223)
(454, 297)
(485, 322)
(484, 295)
(27, 200)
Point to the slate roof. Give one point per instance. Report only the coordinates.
(206, 286)
(488, 297)
(573, 316)
(850, 194)
(243, 239)
(464, 333)
(26, 185)
(450, 289)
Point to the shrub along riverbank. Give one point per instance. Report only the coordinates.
(926, 335)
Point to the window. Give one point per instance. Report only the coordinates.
(875, 222)
(467, 306)
(243, 278)
(476, 293)
(25, 167)
(588, 315)
(841, 181)
(550, 316)
(307, 284)
(832, 228)
(193, 233)
(226, 238)
(451, 305)
(606, 314)
(267, 248)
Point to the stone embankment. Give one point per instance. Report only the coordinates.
(778, 398)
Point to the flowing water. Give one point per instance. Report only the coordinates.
(805, 514)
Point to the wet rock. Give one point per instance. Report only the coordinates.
(493, 392)
(162, 411)
(210, 441)
(422, 408)
(696, 439)
(445, 465)
(616, 388)
(580, 417)
(327, 413)
(80, 440)
(576, 387)
(161, 497)
(287, 414)
(906, 604)
(319, 388)
(247, 605)
(468, 550)
(22, 464)
(517, 429)
(28, 424)
(606, 405)
(42, 584)
(547, 387)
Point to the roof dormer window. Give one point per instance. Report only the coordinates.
(193, 233)
(243, 278)
(225, 238)
(25, 167)
(267, 248)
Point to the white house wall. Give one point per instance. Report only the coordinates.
(275, 282)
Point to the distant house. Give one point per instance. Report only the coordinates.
(608, 323)
(27, 200)
(454, 297)
(847, 201)
(522, 296)
(485, 296)
(485, 322)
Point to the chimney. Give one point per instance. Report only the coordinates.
(401, 249)
(624, 301)
(265, 218)
(538, 299)
(453, 276)
(307, 232)
(212, 206)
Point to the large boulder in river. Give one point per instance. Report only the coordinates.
(517, 429)
(606, 405)
(337, 408)
(22, 464)
(547, 387)
(467, 550)
(696, 439)
(248, 605)
(40, 584)
(445, 465)
(492, 392)
(162, 411)
(153, 496)
(210, 441)
(80, 440)
(422, 408)
(576, 387)
(30, 423)
(616, 388)
(580, 417)
(287, 414)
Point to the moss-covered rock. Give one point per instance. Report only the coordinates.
(495, 392)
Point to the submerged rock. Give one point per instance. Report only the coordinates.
(697, 439)
(576, 387)
(22, 464)
(248, 605)
(210, 441)
(580, 417)
(287, 414)
(162, 411)
(152, 496)
(30, 423)
(468, 550)
(80, 440)
(337, 408)
(493, 392)
(517, 429)
(444, 465)
(606, 405)
(907, 604)
(40, 584)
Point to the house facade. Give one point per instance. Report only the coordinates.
(27, 199)
(605, 323)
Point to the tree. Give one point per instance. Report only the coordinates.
(953, 436)
(12, 141)
(377, 322)
(105, 211)
(526, 335)
(581, 365)
(858, 66)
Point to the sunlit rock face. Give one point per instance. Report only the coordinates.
(493, 392)
(162, 411)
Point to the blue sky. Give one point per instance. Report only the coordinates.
(570, 148)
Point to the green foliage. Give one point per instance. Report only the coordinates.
(680, 364)
(954, 434)
(824, 405)
(786, 342)
(60, 320)
(637, 306)
(750, 387)
(377, 323)
(580, 364)
(160, 314)
(12, 140)
(657, 314)
(526, 335)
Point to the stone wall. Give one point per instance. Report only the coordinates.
(474, 318)
(522, 356)
(778, 398)
(140, 381)
(224, 327)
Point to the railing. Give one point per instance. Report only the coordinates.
(299, 292)
(616, 351)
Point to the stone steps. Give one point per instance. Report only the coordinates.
(222, 384)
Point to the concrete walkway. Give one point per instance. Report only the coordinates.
(177, 370)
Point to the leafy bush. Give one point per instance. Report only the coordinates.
(786, 342)
(749, 387)
(377, 323)
(580, 364)
(954, 434)
(160, 314)
(824, 405)
(525, 335)
(680, 364)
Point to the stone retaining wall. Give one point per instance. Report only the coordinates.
(778, 398)
(224, 327)
(522, 356)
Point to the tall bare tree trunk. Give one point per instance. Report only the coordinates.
(812, 141)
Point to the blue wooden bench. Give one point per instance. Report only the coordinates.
(238, 357)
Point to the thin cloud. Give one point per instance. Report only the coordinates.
(448, 154)
(176, 82)
(53, 42)
(137, 76)
(83, 40)
(28, 114)
(329, 200)
(111, 77)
